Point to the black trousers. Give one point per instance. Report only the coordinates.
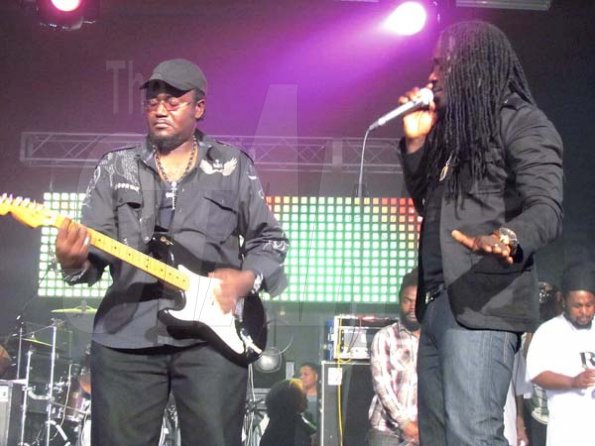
(131, 389)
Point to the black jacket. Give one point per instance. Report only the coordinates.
(221, 217)
(522, 191)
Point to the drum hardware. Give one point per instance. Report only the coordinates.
(67, 404)
(71, 410)
(54, 328)
(25, 396)
(57, 426)
(61, 389)
(77, 402)
(21, 329)
(28, 339)
(61, 432)
(81, 412)
(84, 380)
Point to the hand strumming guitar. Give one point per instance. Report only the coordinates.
(234, 285)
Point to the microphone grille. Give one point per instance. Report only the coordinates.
(426, 95)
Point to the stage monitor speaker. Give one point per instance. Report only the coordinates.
(347, 392)
(11, 400)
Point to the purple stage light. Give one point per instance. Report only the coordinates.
(66, 5)
(407, 19)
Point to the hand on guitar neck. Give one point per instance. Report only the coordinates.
(72, 246)
(233, 284)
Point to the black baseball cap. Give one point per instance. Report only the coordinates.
(180, 74)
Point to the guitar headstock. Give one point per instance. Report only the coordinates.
(27, 212)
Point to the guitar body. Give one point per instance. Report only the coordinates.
(239, 335)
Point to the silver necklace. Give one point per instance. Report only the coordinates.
(445, 169)
(173, 194)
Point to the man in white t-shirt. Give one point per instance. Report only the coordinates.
(561, 359)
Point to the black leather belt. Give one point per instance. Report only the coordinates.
(434, 293)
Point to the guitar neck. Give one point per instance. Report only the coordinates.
(161, 271)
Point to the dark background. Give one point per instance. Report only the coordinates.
(293, 68)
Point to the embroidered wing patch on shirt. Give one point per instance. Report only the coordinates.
(217, 166)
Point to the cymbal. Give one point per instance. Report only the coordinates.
(36, 342)
(76, 310)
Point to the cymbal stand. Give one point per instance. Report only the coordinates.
(25, 398)
(21, 329)
(50, 395)
(61, 433)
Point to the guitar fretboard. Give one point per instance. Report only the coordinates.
(161, 271)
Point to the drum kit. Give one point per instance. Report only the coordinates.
(56, 404)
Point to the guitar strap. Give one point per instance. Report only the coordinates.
(148, 212)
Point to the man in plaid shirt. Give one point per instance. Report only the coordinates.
(393, 412)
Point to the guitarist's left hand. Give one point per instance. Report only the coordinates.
(234, 285)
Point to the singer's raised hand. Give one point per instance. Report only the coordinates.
(418, 124)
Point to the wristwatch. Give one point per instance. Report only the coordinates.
(508, 237)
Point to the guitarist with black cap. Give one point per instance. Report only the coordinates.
(197, 205)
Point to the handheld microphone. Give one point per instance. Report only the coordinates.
(426, 96)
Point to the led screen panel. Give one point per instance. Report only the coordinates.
(340, 251)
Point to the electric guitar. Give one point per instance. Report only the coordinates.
(239, 334)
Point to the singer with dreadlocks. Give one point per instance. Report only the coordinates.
(484, 167)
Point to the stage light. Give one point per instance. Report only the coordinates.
(66, 5)
(67, 15)
(407, 19)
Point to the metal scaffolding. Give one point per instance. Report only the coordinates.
(270, 153)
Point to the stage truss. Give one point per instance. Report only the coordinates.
(270, 153)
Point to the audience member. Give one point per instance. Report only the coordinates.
(393, 412)
(561, 359)
(285, 403)
(309, 378)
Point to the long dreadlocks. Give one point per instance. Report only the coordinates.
(479, 69)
